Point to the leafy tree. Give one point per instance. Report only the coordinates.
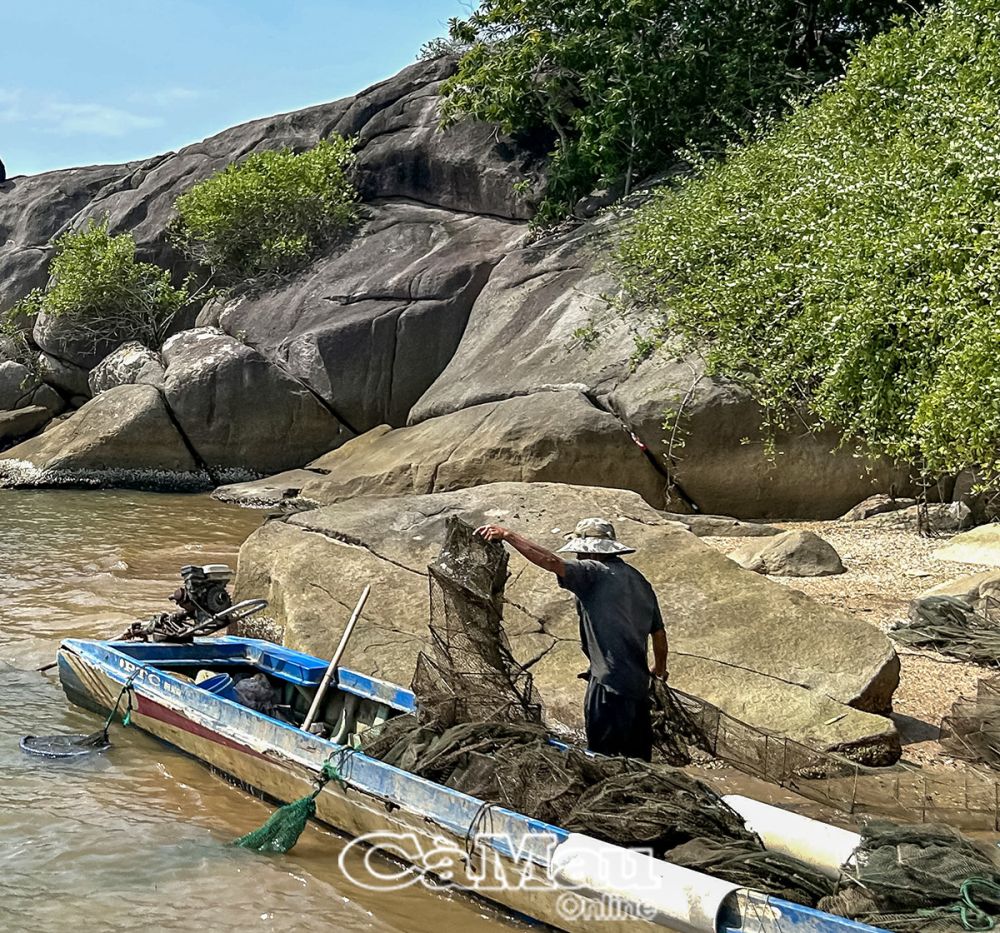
(846, 267)
(98, 286)
(271, 213)
(620, 85)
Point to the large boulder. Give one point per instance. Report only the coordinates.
(543, 321)
(371, 326)
(879, 504)
(239, 412)
(130, 364)
(724, 462)
(467, 167)
(17, 383)
(978, 546)
(21, 388)
(65, 340)
(791, 554)
(548, 437)
(763, 652)
(524, 333)
(124, 437)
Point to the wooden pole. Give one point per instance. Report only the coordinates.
(335, 660)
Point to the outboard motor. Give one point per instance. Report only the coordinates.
(204, 592)
(205, 607)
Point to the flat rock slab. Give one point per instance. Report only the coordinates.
(978, 546)
(766, 653)
(22, 422)
(545, 437)
(791, 554)
(878, 504)
(271, 492)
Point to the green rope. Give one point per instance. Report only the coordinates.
(283, 828)
(127, 718)
(973, 917)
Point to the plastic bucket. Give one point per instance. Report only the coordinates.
(221, 685)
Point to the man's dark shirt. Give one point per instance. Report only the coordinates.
(618, 612)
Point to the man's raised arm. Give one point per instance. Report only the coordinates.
(538, 555)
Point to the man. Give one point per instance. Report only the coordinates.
(618, 613)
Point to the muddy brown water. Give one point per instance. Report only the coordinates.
(135, 839)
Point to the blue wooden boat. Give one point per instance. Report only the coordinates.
(565, 880)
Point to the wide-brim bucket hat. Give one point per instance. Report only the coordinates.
(595, 536)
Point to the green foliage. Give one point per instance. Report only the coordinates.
(98, 286)
(846, 267)
(621, 85)
(271, 213)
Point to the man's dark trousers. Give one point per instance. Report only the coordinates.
(617, 724)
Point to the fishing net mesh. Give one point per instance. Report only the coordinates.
(972, 730)
(926, 877)
(952, 626)
(282, 829)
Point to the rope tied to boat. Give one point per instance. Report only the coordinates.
(972, 916)
(281, 831)
(73, 746)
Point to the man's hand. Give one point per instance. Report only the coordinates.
(539, 556)
(659, 675)
(493, 532)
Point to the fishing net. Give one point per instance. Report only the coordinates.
(972, 730)
(752, 867)
(907, 878)
(951, 626)
(282, 829)
(65, 746)
(470, 673)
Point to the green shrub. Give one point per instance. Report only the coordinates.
(847, 266)
(271, 213)
(620, 85)
(98, 287)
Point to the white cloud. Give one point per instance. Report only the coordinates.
(165, 97)
(90, 120)
(67, 118)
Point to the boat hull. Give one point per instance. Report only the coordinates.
(502, 856)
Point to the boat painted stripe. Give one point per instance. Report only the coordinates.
(150, 708)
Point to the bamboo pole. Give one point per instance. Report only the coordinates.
(335, 660)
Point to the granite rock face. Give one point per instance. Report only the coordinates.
(241, 413)
(124, 437)
(441, 300)
(548, 437)
(762, 652)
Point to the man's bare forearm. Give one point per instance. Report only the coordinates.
(660, 653)
(538, 555)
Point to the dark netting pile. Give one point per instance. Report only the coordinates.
(926, 878)
(951, 626)
(972, 730)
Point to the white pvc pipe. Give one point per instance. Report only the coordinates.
(820, 845)
(666, 894)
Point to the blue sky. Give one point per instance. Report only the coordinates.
(90, 81)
